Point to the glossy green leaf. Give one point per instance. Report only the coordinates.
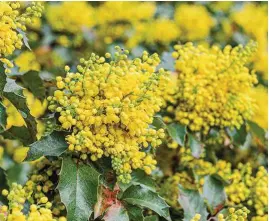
(158, 122)
(139, 177)
(135, 213)
(20, 133)
(34, 83)
(151, 218)
(195, 145)
(14, 93)
(257, 130)
(238, 136)
(3, 79)
(144, 197)
(78, 186)
(3, 117)
(214, 193)
(177, 132)
(116, 212)
(52, 145)
(192, 203)
(18, 173)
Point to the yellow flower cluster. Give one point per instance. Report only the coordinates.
(194, 21)
(260, 95)
(213, 87)
(197, 217)
(17, 198)
(112, 12)
(26, 61)
(253, 18)
(10, 20)
(70, 16)
(109, 105)
(235, 215)
(248, 188)
(162, 31)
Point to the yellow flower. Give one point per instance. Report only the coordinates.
(194, 21)
(70, 16)
(26, 61)
(260, 95)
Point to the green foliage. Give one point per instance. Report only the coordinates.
(195, 145)
(141, 196)
(192, 202)
(78, 186)
(3, 117)
(4, 185)
(177, 132)
(53, 144)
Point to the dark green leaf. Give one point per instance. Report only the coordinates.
(34, 83)
(195, 145)
(135, 213)
(158, 122)
(139, 178)
(3, 185)
(144, 197)
(221, 179)
(116, 212)
(213, 192)
(18, 173)
(20, 133)
(14, 93)
(151, 218)
(3, 117)
(257, 130)
(177, 132)
(78, 186)
(52, 145)
(192, 203)
(3, 79)
(238, 136)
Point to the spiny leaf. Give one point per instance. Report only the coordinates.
(3, 80)
(177, 132)
(141, 196)
(213, 192)
(139, 178)
(116, 212)
(14, 93)
(78, 186)
(239, 136)
(19, 133)
(135, 213)
(52, 145)
(34, 83)
(257, 130)
(3, 117)
(192, 203)
(195, 145)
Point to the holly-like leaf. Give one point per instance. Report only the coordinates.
(139, 178)
(192, 203)
(135, 213)
(238, 136)
(257, 130)
(151, 218)
(3, 117)
(14, 93)
(18, 173)
(52, 145)
(158, 122)
(177, 132)
(213, 192)
(3, 185)
(19, 133)
(116, 212)
(34, 83)
(3, 79)
(78, 186)
(195, 145)
(144, 197)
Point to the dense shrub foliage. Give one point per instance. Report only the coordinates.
(133, 111)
